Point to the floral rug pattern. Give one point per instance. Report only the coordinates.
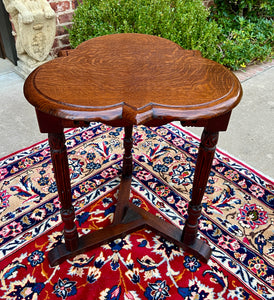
(237, 221)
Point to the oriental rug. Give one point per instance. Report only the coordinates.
(237, 222)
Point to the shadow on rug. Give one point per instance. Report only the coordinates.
(237, 222)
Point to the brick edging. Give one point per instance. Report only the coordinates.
(253, 70)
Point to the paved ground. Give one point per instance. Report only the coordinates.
(250, 136)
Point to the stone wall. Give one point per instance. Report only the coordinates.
(64, 11)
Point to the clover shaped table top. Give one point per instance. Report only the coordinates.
(136, 78)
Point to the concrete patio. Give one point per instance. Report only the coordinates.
(249, 138)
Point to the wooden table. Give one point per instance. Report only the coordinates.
(126, 80)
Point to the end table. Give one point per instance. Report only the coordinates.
(125, 80)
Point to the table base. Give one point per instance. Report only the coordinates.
(134, 219)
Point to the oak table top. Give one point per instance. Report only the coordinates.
(125, 80)
(133, 77)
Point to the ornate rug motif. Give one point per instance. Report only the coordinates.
(237, 222)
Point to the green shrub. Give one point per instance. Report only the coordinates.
(245, 8)
(247, 31)
(235, 33)
(183, 21)
(245, 42)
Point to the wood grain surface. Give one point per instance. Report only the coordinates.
(135, 77)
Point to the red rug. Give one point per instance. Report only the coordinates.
(237, 222)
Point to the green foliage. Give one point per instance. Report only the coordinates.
(182, 21)
(246, 43)
(247, 31)
(235, 33)
(245, 8)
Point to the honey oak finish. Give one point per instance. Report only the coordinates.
(126, 80)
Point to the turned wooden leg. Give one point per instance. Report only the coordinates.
(61, 171)
(202, 171)
(124, 190)
(127, 159)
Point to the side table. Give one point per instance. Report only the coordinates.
(125, 80)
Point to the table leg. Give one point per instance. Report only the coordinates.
(127, 159)
(125, 185)
(202, 170)
(61, 171)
